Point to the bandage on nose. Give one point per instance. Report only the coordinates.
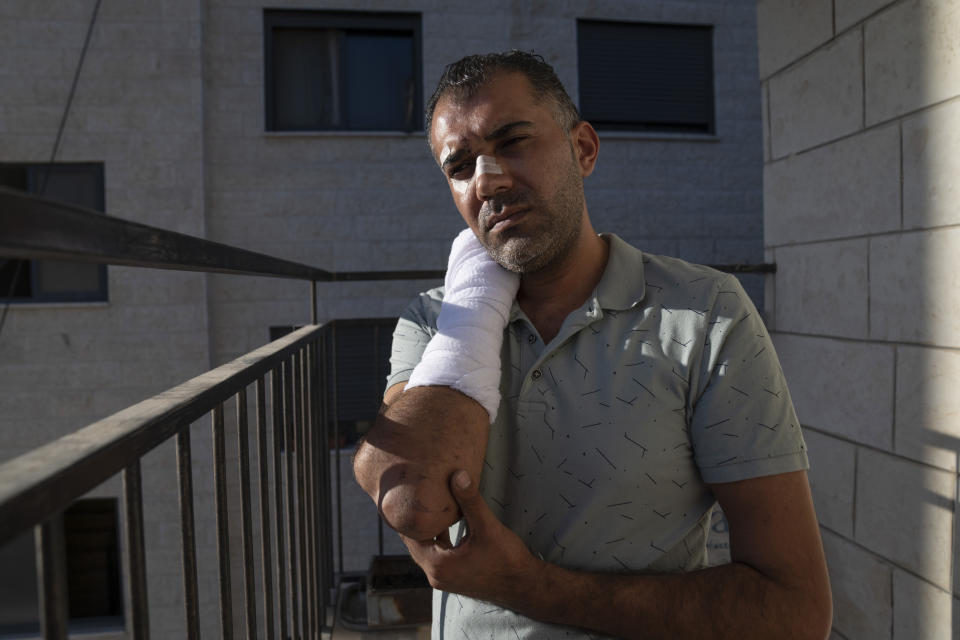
(486, 164)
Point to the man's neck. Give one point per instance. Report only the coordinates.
(549, 295)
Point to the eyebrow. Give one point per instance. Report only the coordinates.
(506, 129)
(501, 132)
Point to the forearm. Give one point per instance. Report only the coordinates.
(729, 601)
(407, 457)
(440, 422)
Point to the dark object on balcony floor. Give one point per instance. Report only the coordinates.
(394, 595)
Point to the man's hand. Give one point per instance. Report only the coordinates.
(776, 586)
(491, 563)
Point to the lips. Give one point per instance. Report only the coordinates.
(504, 219)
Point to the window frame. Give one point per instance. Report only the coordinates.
(707, 128)
(33, 171)
(321, 19)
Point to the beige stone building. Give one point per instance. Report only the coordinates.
(821, 135)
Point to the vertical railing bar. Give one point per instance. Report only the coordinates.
(301, 491)
(222, 523)
(133, 530)
(246, 518)
(51, 562)
(308, 380)
(323, 456)
(313, 302)
(265, 548)
(276, 402)
(310, 589)
(316, 502)
(291, 502)
(188, 549)
(336, 447)
(376, 403)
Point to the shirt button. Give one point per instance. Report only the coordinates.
(531, 338)
(537, 373)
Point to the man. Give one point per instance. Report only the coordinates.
(637, 390)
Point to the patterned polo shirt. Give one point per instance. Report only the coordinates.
(664, 380)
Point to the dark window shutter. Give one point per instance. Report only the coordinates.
(639, 76)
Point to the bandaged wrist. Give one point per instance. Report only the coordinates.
(465, 352)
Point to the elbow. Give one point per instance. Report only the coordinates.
(417, 510)
(414, 504)
(365, 469)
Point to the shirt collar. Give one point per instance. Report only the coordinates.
(622, 284)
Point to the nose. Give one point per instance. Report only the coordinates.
(491, 177)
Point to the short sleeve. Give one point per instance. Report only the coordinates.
(744, 424)
(416, 325)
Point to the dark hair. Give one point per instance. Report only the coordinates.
(465, 77)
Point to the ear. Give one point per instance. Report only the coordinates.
(586, 145)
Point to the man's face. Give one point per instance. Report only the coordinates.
(529, 213)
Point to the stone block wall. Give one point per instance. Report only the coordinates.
(861, 206)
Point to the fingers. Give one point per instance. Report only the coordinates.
(442, 541)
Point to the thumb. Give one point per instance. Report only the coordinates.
(464, 490)
(472, 506)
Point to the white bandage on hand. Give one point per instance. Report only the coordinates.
(465, 352)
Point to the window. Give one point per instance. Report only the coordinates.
(94, 594)
(342, 70)
(646, 77)
(54, 280)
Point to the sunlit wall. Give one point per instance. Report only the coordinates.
(861, 105)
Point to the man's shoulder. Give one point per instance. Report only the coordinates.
(425, 307)
(674, 281)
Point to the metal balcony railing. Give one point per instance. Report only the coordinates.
(292, 474)
(292, 429)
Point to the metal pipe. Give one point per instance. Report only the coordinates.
(301, 491)
(276, 404)
(246, 519)
(326, 509)
(336, 447)
(289, 455)
(222, 523)
(265, 548)
(376, 402)
(308, 494)
(187, 538)
(133, 529)
(52, 577)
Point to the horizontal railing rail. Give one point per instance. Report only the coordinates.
(35, 227)
(32, 227)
